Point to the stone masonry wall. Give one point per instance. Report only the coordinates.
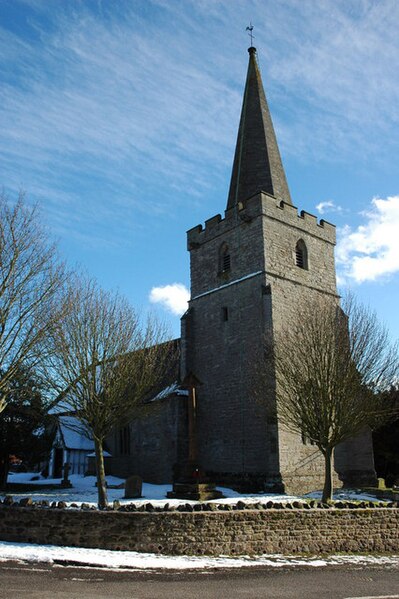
(155, 443)
(232, 428)
(262, 289)
(231, 424)
(230, 314)
(246, 532)
(302, 466)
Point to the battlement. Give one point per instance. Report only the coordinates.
(261, 204)
(288, 214)
(214, 226)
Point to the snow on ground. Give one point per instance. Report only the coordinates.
(139, 561)
(85, 491)
(347, 494)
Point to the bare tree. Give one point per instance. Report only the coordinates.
(331, 366)
(30, 279)
(106, 360)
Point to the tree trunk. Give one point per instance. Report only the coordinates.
(101, 483)
(328, 474)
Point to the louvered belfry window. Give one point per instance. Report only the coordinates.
(301, 255)
(224, 261)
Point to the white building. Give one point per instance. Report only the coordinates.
(71, 444)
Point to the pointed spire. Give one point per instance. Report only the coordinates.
(257, 163)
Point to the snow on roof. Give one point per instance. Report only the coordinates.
(169, 390)
(74, 434)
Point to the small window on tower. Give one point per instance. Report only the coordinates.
(301, 255)
(225, 313)
(226, 262)
(224, 259)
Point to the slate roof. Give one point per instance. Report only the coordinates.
(257, 163)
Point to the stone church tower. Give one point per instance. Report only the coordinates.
(249, 272)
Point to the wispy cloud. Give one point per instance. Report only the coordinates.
(117, 106)
(173, 298)
(97, 91)
(111, 112)
(342, 73)
(371, 251)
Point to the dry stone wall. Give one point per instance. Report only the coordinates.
(235, 532)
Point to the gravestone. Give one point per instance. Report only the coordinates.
(66, 483)
(133, 487)
(381, 484)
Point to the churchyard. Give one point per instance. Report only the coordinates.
(84, 491)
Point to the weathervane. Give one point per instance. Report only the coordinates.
(250, 28)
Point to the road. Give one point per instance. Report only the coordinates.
(45, 582)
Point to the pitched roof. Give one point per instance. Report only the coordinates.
(257, 163)
(73, 434)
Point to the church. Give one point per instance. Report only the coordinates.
(249, 271)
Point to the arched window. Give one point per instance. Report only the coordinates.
(224, 258)
(301, 255)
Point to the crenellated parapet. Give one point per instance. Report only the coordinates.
(265, 205)
(214, 227)
(303, 221)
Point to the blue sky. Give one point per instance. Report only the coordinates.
(120, 118)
